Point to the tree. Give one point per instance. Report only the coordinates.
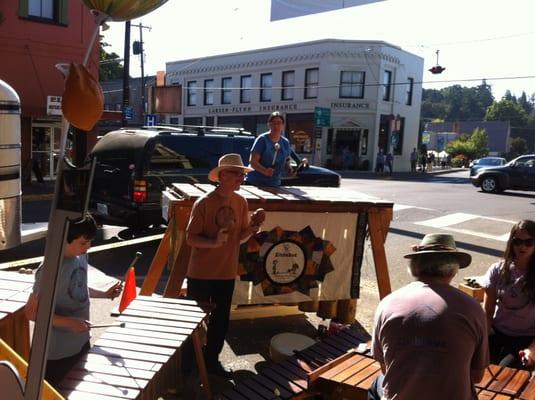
(526, 104)
(470, 146)
(519, 146)
(507, 110)
(110, 68)
(456, 103)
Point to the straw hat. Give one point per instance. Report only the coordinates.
(228, 161)
(440, 243)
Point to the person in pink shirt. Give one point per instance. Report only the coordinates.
(429, 337)
(510, 300)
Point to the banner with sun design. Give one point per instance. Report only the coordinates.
(299, 257)
(284, 261)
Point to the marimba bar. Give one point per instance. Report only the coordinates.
(506, 383)
(347, 377)
(141, 360)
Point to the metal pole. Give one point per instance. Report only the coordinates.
(126, 73)
(142, 73)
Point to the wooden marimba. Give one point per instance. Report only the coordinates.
(289, 379)
(505, 383)
(347, 377)
(178, 201)
(15, 288)
(141, 360)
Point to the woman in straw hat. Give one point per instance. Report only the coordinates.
(429, 337)
(510, 300)
(219, 221)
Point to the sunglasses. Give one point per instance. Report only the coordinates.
(236, 173)
(526, 242)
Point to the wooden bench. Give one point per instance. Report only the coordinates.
(290, 379)
(140, 360)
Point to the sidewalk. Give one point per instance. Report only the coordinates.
(45, 191)
(397, 175)
(38, 191)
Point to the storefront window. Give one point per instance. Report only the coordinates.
(226, 91)
(311, 83)
(352, 84)
(245, 89)
(266, 83)
(387, 85)
(288, 83)
(208, 92)
(192, 93)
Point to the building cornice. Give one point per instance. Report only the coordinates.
(370, 55)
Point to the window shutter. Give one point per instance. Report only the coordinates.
(63, 12)
(23, 8)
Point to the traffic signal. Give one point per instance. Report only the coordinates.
(137, 47)
(437, 69)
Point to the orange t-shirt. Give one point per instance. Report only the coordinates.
(209, 214)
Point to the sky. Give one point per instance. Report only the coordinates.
(476, 39)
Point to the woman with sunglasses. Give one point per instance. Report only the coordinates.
(510, 300)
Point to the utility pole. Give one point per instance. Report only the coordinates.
(126, 74)
(141, 49)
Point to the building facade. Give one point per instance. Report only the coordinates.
(440, 133)
(344, 100)
(34, 37)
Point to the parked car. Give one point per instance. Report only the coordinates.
(517, 174)
(134, 166)
(486, 162)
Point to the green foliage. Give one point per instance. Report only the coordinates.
(110, 68)
(507, 110)
(469, 147)
(456, 102)
(519, 146)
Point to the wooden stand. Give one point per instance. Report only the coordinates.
(179, 201)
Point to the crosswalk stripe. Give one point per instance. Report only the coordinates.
(447, 222)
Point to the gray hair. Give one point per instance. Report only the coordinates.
(431, 265)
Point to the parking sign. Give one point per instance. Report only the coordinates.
(150, 120)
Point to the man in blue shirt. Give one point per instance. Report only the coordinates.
(270, 154)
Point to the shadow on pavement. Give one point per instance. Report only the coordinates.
(460, 244)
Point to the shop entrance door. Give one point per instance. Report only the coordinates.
(346, 148)
(45, 150)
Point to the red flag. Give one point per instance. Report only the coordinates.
(129, 291)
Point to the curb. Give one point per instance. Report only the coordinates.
(27, 198)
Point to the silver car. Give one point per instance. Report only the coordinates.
(486, 162)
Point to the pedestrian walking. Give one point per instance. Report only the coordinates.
(414, 159)
(389, 162)
(380, 162)
(423, 161)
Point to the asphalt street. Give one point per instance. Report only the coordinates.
(423, 204)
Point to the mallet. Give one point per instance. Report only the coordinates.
(277, 148)
(136, 257)
(117, 324)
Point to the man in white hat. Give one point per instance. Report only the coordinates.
(219, 221)
(429, 337)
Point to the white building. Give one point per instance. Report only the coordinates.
(371, 89)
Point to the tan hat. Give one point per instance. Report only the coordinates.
(440, 243)
(227, 161)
